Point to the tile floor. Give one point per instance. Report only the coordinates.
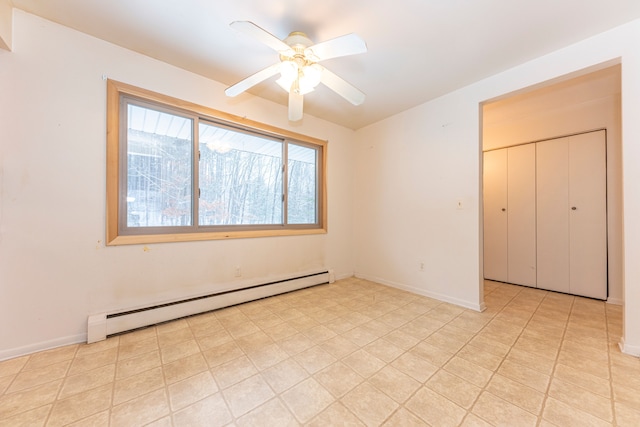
(350, 353)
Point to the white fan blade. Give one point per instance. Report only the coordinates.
(295, 106)
(252, 80)
(261, 35)
(349, 44)
(342, 88)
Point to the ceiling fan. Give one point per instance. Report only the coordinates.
(299, 70)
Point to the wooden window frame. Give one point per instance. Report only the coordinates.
(116, 90)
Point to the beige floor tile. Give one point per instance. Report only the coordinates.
(50, 357)
(132, 348)
(489, 345)
(280, 331)
(314, 359)
(524, 375)
(587, 381)
(31, 418)
(295, 344)
(364, 363)
(468, 371)
(285, 375)
(431, 353)
(435, 409)
(626, 416)
(86, 381)
(319, 333)
(234, 371)
(394, 383)
(247, 395)
(382, 349)
(221, 354)
(339, 346)
(171, 353)
(184, 368)
(338, 379)
(590, 366)
(137, 385)
(211, 412)
(561, 414)
(531, 360)
(89, 361)
(80, 406)
(581, 398)
(361, 335)
(254, 342)
(174, 336)
(454, 388)
(446, 342)
(101, 419)
(142, 410)
(479, 357)
(190, 390)
(369, 404)
(415, 367)
(354, 338)
(267, 356)
(518, 394)
(213, 340)
(273, 413)
(34, 377)
(13, 366)
(5, 382)
(14, 403)
(335, 415)
(404, 418)
(472, 420)
(502, 413)
(307, 399)
(626, 395)
(137, 364)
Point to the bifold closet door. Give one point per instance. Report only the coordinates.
(495, 214)
(521, 214)
(552, 189)
(572, 215)
(588, 215)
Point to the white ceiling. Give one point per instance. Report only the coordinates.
(418, 49)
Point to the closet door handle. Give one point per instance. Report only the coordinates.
(573, 208)
(504, 210)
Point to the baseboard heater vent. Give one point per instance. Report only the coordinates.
(102, 325)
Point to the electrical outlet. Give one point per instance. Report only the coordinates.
(421, 266)
(238, 271)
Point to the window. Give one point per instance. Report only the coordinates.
(181, 172)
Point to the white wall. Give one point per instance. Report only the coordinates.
(411, 169)
(580, 104)
(54, 267)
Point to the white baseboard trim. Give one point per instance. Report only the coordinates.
(615, 301)
(440, 297)
(633, 350)
(12, 353)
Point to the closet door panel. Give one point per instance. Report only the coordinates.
(552, 190)
(521, 218)
(495, 214)
(588, 214)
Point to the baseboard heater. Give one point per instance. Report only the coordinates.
(102, 325)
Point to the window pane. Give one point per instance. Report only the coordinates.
(302, 196)
(159, 168)
(240, 178)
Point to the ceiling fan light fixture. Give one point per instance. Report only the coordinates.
(299, 70)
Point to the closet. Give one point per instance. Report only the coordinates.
(545, 214)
